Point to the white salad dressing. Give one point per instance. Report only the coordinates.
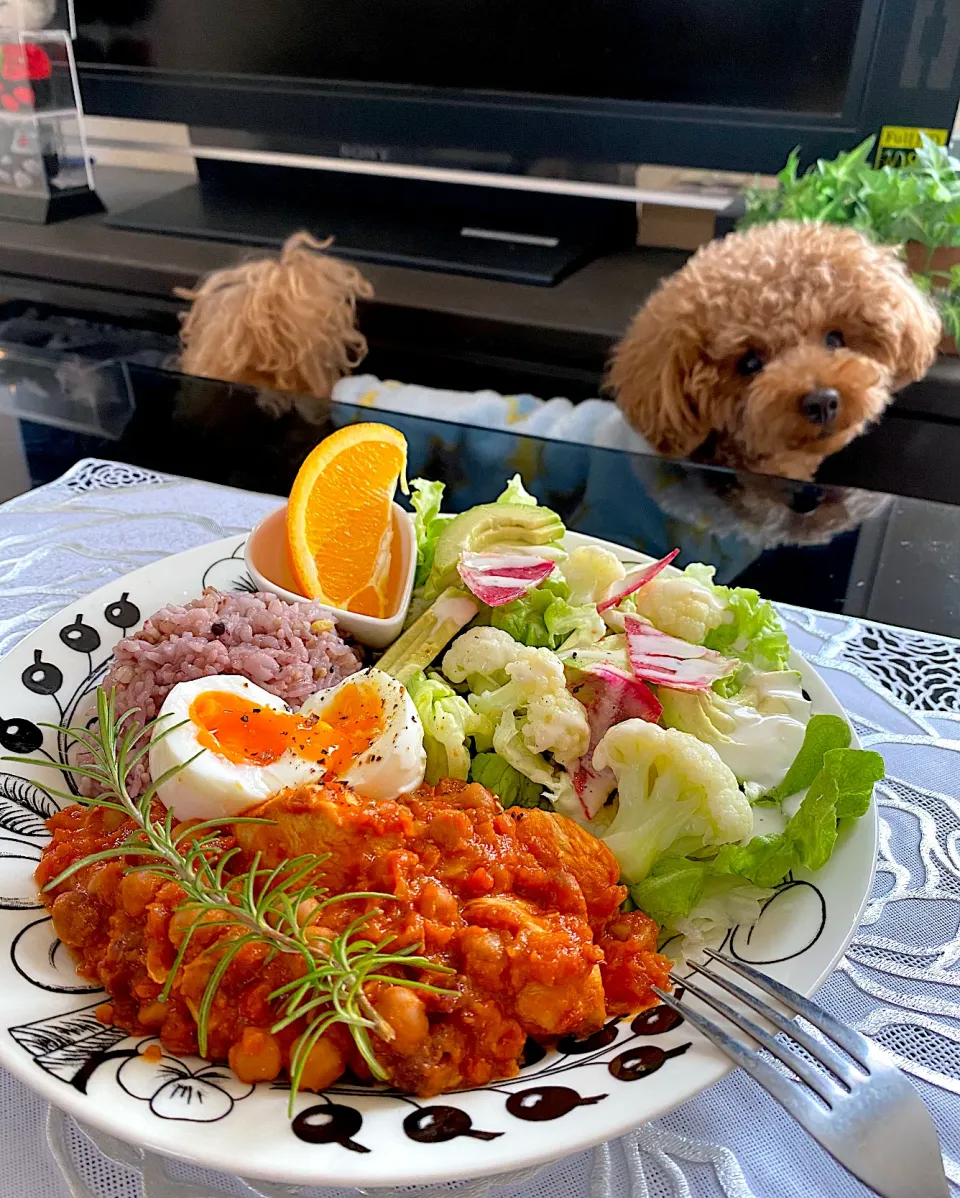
(762, 747)
(454, 609)
(769, 731)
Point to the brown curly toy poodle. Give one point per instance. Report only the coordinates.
(773, 348)
(288, 323)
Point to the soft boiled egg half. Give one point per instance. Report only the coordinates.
(238, 744)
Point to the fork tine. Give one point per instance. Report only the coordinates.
(820, 1083)
(789, 1095)
(851, 1042)
(881, 1132)
(821, 1052)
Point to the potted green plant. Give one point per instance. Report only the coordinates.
(915, 206)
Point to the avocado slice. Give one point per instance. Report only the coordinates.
(485, 529)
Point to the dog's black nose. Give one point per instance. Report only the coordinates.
(806, 499)
(821, 405)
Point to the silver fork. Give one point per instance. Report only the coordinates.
(865, 1113)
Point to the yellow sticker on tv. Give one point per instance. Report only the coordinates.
(897, 144)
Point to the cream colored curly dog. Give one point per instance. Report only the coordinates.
(773, 348)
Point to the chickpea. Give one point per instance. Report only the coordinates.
(256, 1057)
(436, 902)
(324, 1065)
(180, 923)
(152, 1014)
(136, 891)
(76, 918)
(449, 829)
(484, 955)
(403, 1009)
(103, 878)
(112, 819)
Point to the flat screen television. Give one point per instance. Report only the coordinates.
(520, 85)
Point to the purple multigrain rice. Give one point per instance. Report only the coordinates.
(274, 644)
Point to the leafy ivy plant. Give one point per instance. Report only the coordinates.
(919, 202)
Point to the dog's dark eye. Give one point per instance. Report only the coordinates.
(750, 363)
(834, 339)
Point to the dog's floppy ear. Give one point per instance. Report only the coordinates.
(919, 338)
(911, 326)
(653, 375)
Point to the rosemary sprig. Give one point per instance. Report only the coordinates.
(279, 909)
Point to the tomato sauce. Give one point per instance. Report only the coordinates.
(522, 906)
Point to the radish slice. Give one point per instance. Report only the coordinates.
(635, 580)
(498, 578)
(669, 661)
(609, 696)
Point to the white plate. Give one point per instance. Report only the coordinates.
(587, 1092)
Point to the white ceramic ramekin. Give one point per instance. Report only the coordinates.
(266, 559)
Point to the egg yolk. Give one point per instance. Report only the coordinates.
(247, 734)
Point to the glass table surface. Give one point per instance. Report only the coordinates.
(884, 557)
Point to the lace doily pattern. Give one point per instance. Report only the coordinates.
(93, 475)
(899, 981)
(923, 671)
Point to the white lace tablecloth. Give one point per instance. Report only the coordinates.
(899, 982)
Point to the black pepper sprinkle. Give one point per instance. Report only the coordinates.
(218, 629)
(244, 719)
(256, 711)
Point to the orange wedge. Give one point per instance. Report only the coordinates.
(339, 518)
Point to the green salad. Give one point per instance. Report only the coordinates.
(652, 706)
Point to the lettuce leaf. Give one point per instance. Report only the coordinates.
(672, 889)
(694, 905)
(840, 790)
(726, 902)
(823, 733)
(758, 733)
(688, 895)
(428, 523)
(855, 772)
(508, 784)
(448, 720)
(544, 618)
(755, 634)
(752, 631)
(517, 493)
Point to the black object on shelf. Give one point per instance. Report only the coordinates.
(497, 233)
(44, 171)
(46, 210)
(729, 217)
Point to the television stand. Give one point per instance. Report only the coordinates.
(496, 233)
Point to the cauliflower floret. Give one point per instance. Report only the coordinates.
(535, 712)
(590, 572)
(534, 671)
(554, 722)
(557, 723)
(480, 652)
(681, 606)
(675, 796)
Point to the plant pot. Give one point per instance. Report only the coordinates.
(944, 257)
